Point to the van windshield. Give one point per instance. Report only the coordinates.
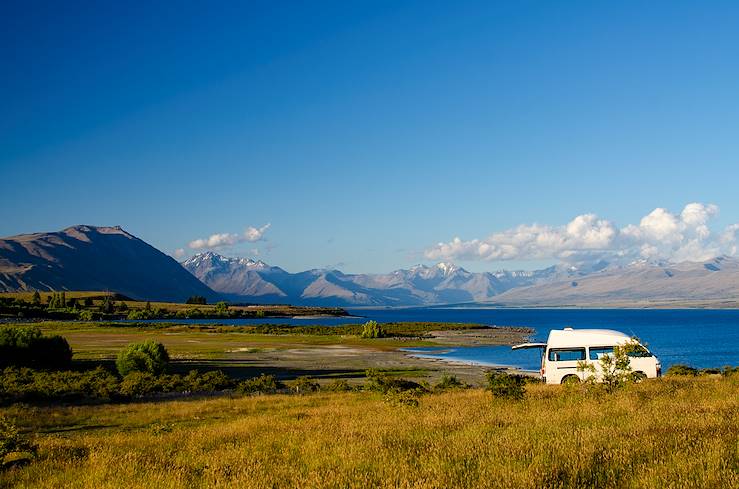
(566, 354)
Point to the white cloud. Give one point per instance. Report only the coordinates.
(219, 240)
(659, 235)
(179, 253)
(253, 234)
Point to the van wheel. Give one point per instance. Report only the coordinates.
(570, 379)
(638, 377)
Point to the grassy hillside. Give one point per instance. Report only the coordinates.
(672, 432)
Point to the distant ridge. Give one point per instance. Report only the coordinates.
(446, 283)
(94, 258)
(443, 283)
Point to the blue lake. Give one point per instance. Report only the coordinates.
(697, 337)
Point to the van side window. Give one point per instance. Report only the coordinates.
(596, 352)
(566, 354)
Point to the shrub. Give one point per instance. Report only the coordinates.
(208, 382)
(12, 442)
(26, 346)
(264, 384)
(615, 368)
(147, 356)
(506, 386)
(137, 384)
(681, 369)
(338, 385)
(304, 385)
(449, 382)
(25, 384)
(381, 382)
(372, 329)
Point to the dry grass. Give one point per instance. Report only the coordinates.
(665, 433)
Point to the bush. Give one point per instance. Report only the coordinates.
(147, 356)
(264, 384)
(680, 369)
(12, 442)
(381, 382)
(506, 386)
(304, 385)
(25, 346)
(24, 384)
(338, 385)
(208, 382)
(138, 384)
(449, 382)
(371, 329)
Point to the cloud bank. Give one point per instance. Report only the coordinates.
(219, 240)
(660, 235)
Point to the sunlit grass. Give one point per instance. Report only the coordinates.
(664, 433)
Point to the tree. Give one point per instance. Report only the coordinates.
(196, 299)
(615, 369)
(147, 356)
(221, 308)
(107, 307)
(62, 301)
(88, 301)
(371, 329)
(36, 298)
(27, 346)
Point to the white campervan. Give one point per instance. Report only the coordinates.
(566, 347)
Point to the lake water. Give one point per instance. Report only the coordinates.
(697, 337)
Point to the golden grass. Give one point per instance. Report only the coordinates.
(664, 433)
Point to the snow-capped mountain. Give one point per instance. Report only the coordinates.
(443, 283)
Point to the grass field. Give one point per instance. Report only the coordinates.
(670, 432)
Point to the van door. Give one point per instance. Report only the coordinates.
(562, 362)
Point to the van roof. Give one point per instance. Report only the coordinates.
(583, 337)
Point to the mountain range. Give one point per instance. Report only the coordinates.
(446, 283)
(109, 258)
(94, 258)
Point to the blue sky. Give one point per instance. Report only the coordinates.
(365, 133)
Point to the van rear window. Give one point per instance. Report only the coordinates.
(566, 354)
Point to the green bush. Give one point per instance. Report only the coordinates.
(449, 382)
(506, 386)
(372, 329)
(147, 356)
(25, 346)
(264, 384)
(304, 385)
(25, 384)
(12, 442)
(207, 382)
(680, 369)
(338, 385)
(381, 382)
(138, 384)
